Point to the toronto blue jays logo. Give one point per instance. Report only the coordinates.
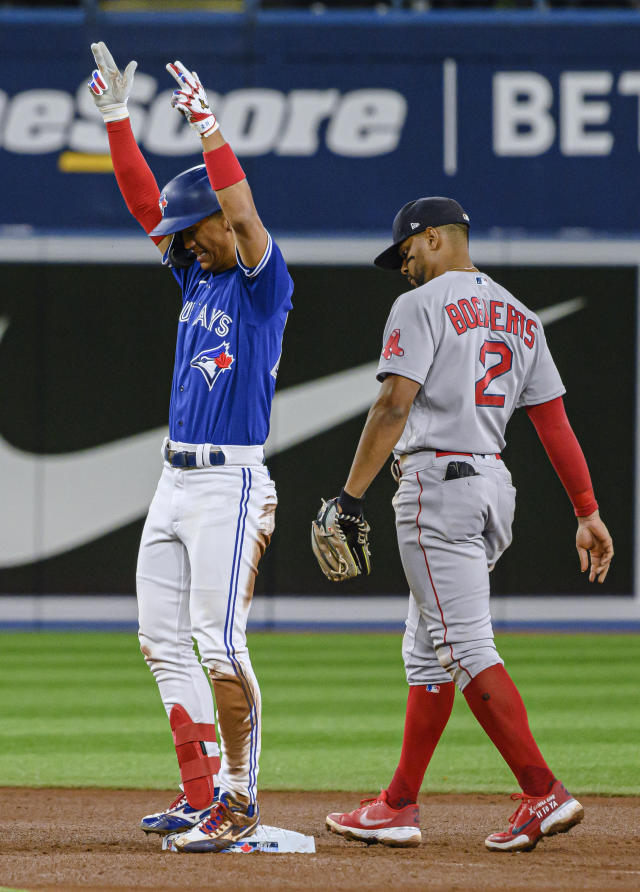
(162, 202)
(213, 362)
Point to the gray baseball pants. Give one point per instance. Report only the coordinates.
(450, 535)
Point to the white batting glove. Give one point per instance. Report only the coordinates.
(110, 87)
(191, 100)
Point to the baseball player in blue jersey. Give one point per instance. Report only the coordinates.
(212, 515)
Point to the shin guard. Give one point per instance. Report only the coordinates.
(196, 767)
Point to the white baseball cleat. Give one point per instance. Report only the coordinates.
(178, 817)
(376, 821)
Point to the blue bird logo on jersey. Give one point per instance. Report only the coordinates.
(213, 362)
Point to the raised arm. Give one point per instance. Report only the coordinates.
(556, 435)
(226, 176)
(110, 89)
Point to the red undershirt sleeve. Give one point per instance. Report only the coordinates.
(135, 179)
(557, 436)
(223, 168)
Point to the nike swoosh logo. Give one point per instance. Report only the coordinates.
(561, 310)
(516, 830)
(367, 822)
(58, 502)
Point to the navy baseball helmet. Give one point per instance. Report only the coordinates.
(184, 200)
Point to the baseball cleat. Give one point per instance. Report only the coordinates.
(179, 816)
(376, 821)
(230, 820)
(537, 816)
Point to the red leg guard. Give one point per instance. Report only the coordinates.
(196, 767)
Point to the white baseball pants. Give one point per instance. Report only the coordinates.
(205, 533)
(450, 534)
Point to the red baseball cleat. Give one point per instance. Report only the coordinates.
(536, 817)
(376, 821)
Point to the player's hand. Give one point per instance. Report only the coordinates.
(109, 86)
(594, 544)
(191, 100)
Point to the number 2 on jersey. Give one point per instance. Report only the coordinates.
(493, 348)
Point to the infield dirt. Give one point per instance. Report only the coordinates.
(89, 839)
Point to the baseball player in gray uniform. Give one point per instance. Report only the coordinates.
(460, 353)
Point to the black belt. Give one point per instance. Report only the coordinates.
(188, 459)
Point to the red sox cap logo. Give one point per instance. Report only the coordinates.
(392, 347)
(162, 203)
(213, 362)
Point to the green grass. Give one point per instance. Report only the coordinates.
(83, 710)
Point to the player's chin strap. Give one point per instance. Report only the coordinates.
(176, 254)
(196, 767)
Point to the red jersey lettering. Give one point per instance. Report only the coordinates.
(521, 322)
(503, 352)
(481, 312)
(468, 312)
(496, 306)
(530, 339)
(511, 325)
(457, 318)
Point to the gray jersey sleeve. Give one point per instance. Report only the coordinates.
(543, 383)
(409, 341)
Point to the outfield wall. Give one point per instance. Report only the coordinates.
(531, 121)
(87, 377)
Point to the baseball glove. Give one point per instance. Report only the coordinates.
(340, 543)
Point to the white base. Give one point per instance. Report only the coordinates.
(270, 840)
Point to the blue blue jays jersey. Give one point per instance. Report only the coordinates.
(228, 350)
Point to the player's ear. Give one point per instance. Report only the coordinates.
(432, 237)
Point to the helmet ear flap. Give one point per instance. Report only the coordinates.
(178, 255)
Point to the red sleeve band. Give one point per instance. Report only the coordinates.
(135, 179)
(223, 167)
(557, 436)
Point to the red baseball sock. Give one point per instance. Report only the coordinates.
(427, 714)
(495, 702)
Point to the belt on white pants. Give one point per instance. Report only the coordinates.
(208, 455)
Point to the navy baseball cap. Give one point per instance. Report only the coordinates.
(416, 216)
